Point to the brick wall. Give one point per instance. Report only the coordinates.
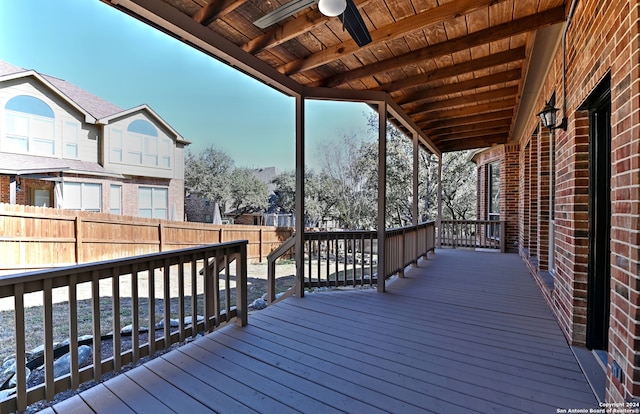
(602, 40)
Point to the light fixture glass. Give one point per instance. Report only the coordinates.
(548, 116)
(332, 8)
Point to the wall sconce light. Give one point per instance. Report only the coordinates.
(332, 8)
(548, 117)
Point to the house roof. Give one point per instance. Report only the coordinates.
(101, 110)
(146, 108)
(20, 164)
(461, 74)
(88, 102)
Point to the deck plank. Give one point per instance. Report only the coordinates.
(462, 332)
(102, 400)
(72, 405)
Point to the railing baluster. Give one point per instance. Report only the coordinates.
(135, 315)
(220, 262)
(73, 332)
(319, 261)
(48, 339)
(241, 286)
(181, 313)
(227, 285)
(166, 285)
(152, 308)
(115, 300)
(21, 377)
(209, 264)
(328, 253)
(97, 334)
(194, 295)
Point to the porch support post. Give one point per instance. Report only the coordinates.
(299, 236)
(439, 220)
(13, 185)
(415, 179)
(382, 191)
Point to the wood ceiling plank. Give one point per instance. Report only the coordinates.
(525, 7)
(503, 31)
(392, 31)
(465, 100)
(433, 124)
(466, 111)
(472, 65)
(410, 101)
(449, 130)
(500, 13)
(477, 133)
(469, 144)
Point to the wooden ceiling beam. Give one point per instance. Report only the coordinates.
(486, 62)
(465, 100)
(434, 124)
(469, 144)
(413, 99)
(482, 37)
(393, 31)
(216, 9)
(466, 111)
(459, 129)
(493, 131)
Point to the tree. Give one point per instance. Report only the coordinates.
(459, 186)
(346, 165)
(208, 174)
(248, 194)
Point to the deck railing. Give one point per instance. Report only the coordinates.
(141, 291)
(350, 258)
(474, 234)
(406, 245)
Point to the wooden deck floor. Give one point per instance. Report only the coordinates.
(463, 332)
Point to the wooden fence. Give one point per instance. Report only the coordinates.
(38, 237)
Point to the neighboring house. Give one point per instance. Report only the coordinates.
(200, 209)
(61, 146)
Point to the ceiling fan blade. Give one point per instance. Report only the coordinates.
(283, 12)
(354, 24)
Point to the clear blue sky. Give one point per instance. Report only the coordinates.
(114, 56)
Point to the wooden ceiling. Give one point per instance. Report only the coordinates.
(457, 68)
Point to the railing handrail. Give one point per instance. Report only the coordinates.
(408, 249)
(210, 294)
(39, 275)
(480, 238)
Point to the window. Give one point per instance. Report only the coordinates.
(83, 196)
(116, 145)
(153, 202)
(494, 191)
(41, 198)
(115, 199)
(29, 126)
(70, 135)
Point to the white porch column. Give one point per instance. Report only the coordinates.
(382, 191)
(299, 236)
(13, 186)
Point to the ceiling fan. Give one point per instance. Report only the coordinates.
(346, 11)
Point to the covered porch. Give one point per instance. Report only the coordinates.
(463, 331)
